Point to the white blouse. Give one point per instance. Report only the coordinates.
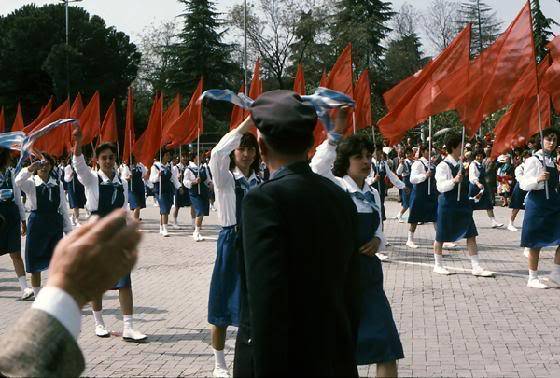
(533, 169)
(29, 182)
(418, 171)
(322, 164)
(444, 177)
(388, 172)
(17, 192)
(189, 177)
(157, 167)
(474, 172)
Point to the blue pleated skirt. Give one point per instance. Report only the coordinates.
(182, 199)
(165, 201)
(200, 204)
(454, 220)
(517, 198)
(10, 230)
(76, 195)
(44, 231)
(423, 207)
(137, 199)
(485, 202)
(225, 286)
(541, 224)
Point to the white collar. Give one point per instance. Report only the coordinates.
(351, 186)
(192, 164)
(39, 181)
(237, 174)
(451, 159)
(105, 178)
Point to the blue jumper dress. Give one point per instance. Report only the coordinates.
(485, 202)
(165, 190)
(405, 197)
(423, 207)
(76, 193)
(200, 201)
(182, 198)
(136, 189)
(10, 229)
(379, 169)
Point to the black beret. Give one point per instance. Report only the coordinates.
(282, 115)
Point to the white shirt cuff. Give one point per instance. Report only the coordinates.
(60, 305)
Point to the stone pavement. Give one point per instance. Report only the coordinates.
(458, 325)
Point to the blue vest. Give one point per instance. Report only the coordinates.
(48, 198)
(111, 197)
(6, 188)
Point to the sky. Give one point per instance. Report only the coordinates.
(132, 16)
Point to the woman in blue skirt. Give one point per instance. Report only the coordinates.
(404, 169)
(135, 175)
(518, 195)
(165, 184)
(197, 180)
(48, 218)
(12, 221)
(182, 198)
(76, 193)
(455, 214)
(541, 225)
(477, 185)
(423, 201)
(106, 192)
(348, 165)
(235, 165)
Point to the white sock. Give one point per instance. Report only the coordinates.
(98, 317)
(556, 269)
(197, 229)
(533, 274)
(493, 219)
(160, 227)
(438, 259)
(475, 261)
(36, 290)
(22, 282)
(220, 359)
(127, 321)
(410, 236)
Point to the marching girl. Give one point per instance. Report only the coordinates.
(12, 221)
(182, 198)
(455, 218)
(541, 225)
(404, 168)
(105, 192)
(76, 193)
(479, 189)
(379, 171)
(197, 180)
(235, 166)
(135, 176)
(165, 183)
(423, 206)
(348, 165)
(518, 195)
(48, 218)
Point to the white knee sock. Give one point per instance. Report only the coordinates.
(533, 274)
(22, 282)
(36, 290)
(438, 259)
(127, 321)
(410, 236)
(220, 359)
(98, 317)
(475, 261)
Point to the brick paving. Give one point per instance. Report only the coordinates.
(457, 325)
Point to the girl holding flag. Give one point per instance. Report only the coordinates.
(165, 183)
(479, 190)
(235, 165)
(348, 165)
(404, 170)
(48, 218)
(135, 175)
(541, 224)
(76, 193)
(12, 221)
(105, 192)
(197, 180)
(518, 195)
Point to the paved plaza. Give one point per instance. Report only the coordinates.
(457, 325)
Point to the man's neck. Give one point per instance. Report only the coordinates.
(276, 163)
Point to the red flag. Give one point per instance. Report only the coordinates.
(53, 142)
(129, 128)
(362, 93)
(185, 129)
(416, 98)
(551, 80)
(2, 121)
(77, 107)
(521, 121)
(299, 82)
(18, 121)
(90, 119)
(45, 111)
(169, 117)
(148, 144)
(238, 114)
(109, 128)
(340, 76)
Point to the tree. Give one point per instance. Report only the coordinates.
(486, 27)
(439, 23)
(541, 29)
(405, 21)
(100, 57)
(403, 58)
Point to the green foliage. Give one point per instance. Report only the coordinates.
(541, 29)
(485, 25)
(403, 58)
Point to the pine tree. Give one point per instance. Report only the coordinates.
(403, 58)
(200, 50)
(485, 25)
(541, 29)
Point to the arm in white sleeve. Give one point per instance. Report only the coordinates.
(154, 174)
(220, 160)
(64, 210)
(17, 198)
(125, 188)
(444, 178)
(175, 177)
(393, 177)
(24, 180)
(323, 160)
(126, 174)
(84, 173)
(68, 173)
(400, 169)
(474, 173)
(60, 305)
(418, 173)
(533, 169)
(379, 232)
(189, 178)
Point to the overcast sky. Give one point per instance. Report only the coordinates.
(132, 16)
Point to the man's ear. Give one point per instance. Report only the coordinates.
(263, 148)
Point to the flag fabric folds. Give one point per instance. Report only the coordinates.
(185, 129)
(109, 131)
(12, 140)
(362, 94)
(45, 111)
(18, 121)
(551, 80)
(148, 144)
(299, 81)
(51, 140)
(90, 120)
(2, 120)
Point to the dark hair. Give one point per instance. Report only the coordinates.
(106, 146)
(479, 151)
(452, 141)
(4, 156)
(248, 140)
(351, 146)
(408, 150)
(421, 148)
(50, 159)
(289, 147)
(550, 131)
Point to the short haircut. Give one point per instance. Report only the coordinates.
(452, 141)
(351, 146)
(479, 151)
(408, 150)
(106, 146)
(550, 131)
(289, 147)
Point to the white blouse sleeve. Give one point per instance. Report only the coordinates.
(68, 173)
(533, 169)
(323, 160)
(393, 177)
(63, 210)
(17, 197)
(189, 178)
(24, 180)
(220, 160)
(154, 174)
(474, 173)
(175, 177)
(84, 173)
(418, 173)
(444, 178)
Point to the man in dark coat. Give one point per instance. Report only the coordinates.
(300, 294)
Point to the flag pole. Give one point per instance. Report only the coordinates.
(429, 153)
(542, 143)
(354, 121)
(461, 162)
(198, 154)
